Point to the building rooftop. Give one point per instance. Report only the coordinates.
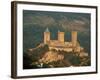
(47, 30)
(59, 31)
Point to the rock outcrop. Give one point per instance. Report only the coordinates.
(51, 56)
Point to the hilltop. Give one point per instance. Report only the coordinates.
(42, 57)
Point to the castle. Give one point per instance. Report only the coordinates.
(61, 44)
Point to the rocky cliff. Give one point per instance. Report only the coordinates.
(51, 56)
(42, 57)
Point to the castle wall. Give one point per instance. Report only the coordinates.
(56, 43)
(61, 49)
(60, 44)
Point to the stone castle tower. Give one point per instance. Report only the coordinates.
(46, 36)
(61, 36)
(74, 38)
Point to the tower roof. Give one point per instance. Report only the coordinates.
(59, 31)
(47, 30)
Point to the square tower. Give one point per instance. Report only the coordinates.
(74, 38)
(60, 36)
(46, 36)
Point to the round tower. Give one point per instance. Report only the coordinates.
(46, 36)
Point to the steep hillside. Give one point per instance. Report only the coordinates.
(42, 57)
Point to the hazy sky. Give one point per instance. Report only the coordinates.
(66, 20)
